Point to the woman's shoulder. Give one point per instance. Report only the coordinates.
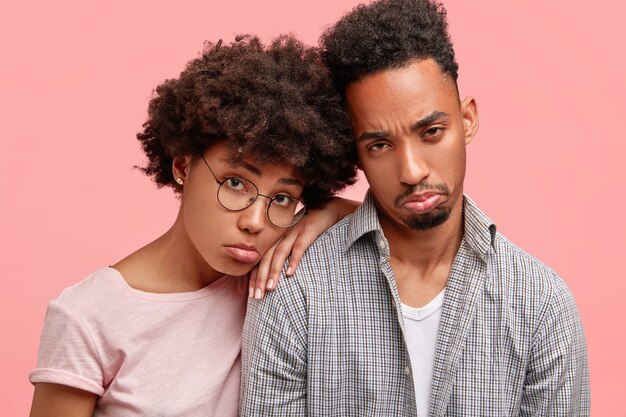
(101, 286)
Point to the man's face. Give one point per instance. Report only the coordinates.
(411, 131)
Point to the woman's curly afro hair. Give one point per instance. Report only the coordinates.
(275, 103)
(387, 34)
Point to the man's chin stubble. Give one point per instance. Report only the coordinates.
(428, 220)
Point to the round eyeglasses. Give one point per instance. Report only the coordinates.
(237, 193)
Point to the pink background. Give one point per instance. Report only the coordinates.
(547, 164)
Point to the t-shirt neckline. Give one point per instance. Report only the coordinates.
(211, 288)
(421, 313)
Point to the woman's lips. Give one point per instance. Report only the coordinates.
(243, 253)
(422, 203)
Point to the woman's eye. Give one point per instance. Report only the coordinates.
(236, 184)
(283, 200)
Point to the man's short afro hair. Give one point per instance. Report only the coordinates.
(275, 103)
(387, 34)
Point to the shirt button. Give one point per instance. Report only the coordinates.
(382, 244)
(407, 371)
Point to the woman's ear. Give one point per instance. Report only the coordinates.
(181, 166)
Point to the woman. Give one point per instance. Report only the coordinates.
(248, 135)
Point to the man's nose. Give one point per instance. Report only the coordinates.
(412, 166)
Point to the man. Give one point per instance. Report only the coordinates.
(415, 304)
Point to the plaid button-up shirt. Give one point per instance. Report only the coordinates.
(330, 341)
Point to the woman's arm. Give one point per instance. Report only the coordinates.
(53, 400)
(265, 276)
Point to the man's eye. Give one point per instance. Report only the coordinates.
(236, 184)
(378, 146)
(434, 131)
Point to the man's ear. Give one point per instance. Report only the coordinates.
(469, 112)
(181, 166)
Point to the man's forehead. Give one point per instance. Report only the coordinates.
(414, 74)
(421, 84)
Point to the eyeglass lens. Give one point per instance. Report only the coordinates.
(239, 193)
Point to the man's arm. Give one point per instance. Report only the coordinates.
(274, 366)
(557, 380)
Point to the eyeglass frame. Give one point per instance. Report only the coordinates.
(267, 209)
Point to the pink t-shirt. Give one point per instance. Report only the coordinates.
(146, 354)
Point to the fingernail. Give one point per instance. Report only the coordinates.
(257, 295)
(270, 284)
(250, 291)
(290, 271)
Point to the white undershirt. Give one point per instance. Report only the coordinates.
(421, 326)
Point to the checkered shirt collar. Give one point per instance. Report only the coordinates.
(480, 231)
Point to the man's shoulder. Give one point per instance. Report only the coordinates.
(518, 257)
(317, 271)
(525, 272)
(333, 239)
(512, 266)
(327, 248)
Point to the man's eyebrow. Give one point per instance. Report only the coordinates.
(372, 135)
(434, 116)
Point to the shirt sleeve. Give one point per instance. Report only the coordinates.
(557, 380)
(274, 367)
(67, 353)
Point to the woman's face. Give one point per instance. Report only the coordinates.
(232, 242)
